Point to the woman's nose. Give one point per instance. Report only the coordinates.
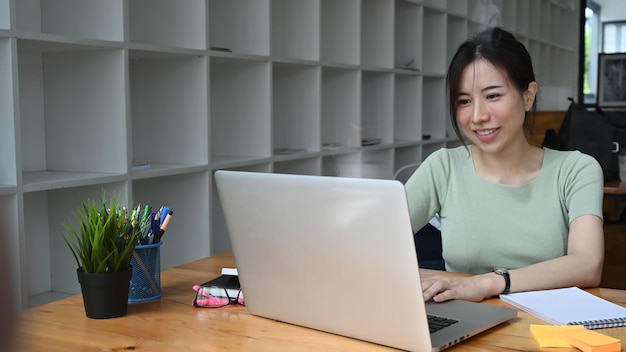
(479, 113)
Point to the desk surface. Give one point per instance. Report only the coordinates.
(171, 323)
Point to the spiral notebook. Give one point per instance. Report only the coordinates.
(569, 306)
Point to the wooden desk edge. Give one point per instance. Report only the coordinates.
(615, 187)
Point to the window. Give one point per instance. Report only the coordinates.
(591, 40)
(614, 37)
(603, 31)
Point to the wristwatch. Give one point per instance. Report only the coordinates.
(507, 279)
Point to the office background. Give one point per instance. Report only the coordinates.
(147, 98)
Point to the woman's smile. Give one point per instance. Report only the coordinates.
(486, 135)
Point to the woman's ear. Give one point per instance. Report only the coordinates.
(530, 94)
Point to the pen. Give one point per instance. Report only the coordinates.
(148, 236)
(164, 212)
(165, 223)
(154, 227)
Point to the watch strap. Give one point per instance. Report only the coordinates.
(507, 280)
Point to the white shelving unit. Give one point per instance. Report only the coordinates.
(147, 98)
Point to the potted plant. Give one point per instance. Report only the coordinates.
(102, 241)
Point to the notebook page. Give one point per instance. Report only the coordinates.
(569, 306)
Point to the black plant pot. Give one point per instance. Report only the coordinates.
(105, 295)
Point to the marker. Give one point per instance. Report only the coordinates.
(165, 222)
(165, 210)
(145, 217)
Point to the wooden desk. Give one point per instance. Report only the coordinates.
(615, 188)
(615, 211)
(171, 323)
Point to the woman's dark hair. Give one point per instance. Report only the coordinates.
(502, 50)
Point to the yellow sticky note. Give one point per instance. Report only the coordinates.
(546, 334)
(590, 341)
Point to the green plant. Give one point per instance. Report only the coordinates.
(104, 239)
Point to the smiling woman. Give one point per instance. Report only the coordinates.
(535, 212)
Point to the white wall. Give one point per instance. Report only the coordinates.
(612, 10)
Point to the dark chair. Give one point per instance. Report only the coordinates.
(428, 247)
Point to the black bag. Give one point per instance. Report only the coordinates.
(597, 133)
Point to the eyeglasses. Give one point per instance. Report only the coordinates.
(216, 296)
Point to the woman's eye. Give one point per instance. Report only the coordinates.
(494, 96)
(463, 102)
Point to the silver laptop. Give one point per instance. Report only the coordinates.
(337, 254)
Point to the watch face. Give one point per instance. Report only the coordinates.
(500, 271)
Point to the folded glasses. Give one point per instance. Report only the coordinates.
(216, 296)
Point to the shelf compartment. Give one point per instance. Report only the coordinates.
(187, 236)
(53, 272)
(240, 110)
(295, 29)
(434, 108)
(363, 164)
(240, 26)
(340, 31)
(377, 164)
(407, 108)
(457, 34)
(342, 165)
(73, 110)
(296, 108)
(168, 23)
(88, 19)
(5, 12)
(542, 64)
(484, 13)
(308, 166)
(220, 240)
(341, 109)
(568, 20)
(8, 158)
(170, 122)
(377, 31)
(435, 47)
(509, 16)
(555, 22)
(458, 7)
(538, 27)
(523, 12)
(377, 108)
(9, 229)
(408, 36)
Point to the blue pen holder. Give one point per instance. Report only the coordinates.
(145, 283)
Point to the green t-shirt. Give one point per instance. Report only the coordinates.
(486, 225)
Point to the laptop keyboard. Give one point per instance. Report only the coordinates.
(436, 323)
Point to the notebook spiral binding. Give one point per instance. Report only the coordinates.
(601, 324)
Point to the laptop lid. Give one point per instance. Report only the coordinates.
(334, 254)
